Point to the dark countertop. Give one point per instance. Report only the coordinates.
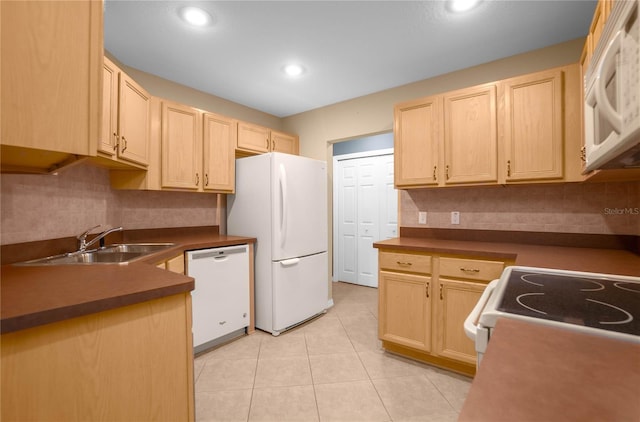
(37, 295)
(599, 260)
(532, 372)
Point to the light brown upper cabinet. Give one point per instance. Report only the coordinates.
(124, 134)
(284, 142)
(219, 138)
(181, 147)
(470, 135)
(197, 149)
(533, 132)
(520, 130)
(416, 141)
(255, 139)
(51, 71)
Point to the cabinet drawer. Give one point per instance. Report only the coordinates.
(405, 262)
(473, 269)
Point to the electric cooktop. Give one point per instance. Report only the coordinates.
(602, 302)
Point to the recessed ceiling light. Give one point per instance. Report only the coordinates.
(293, 70)
(195, 16)
(462, 5)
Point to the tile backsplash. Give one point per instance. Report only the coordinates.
(603, 208)
(39, 207)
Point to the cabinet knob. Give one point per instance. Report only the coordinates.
(427, 289)
(197, 179)
(115, 146)
(267, 143)
(125, 144)
(446, 172)
(508, 168)
(435, 174)
(583, 154)
(441, 291)
(206, 179)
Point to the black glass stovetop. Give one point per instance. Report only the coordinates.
(602, 303)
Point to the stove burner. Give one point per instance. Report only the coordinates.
(630, 287)
(576, 280)
(629, 316)
(519, 299)
(599, 302)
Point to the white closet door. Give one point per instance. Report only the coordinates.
(367, 212)
(347, 224)
(368, 220)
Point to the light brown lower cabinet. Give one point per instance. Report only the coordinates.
(129, 363)
(423, 302)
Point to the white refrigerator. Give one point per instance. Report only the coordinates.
(281, 200)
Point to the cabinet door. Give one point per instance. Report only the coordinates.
(456, 300)
(108, 140)
(133, 121)
(51, 71)
(283, 142)
(219, 159)
(181, 147)
(253, 138)
(470, 134)
(533, 130)
(416, 139)
(405, 309)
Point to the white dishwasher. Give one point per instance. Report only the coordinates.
(220, 300)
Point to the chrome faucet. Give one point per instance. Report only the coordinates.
(82, 238)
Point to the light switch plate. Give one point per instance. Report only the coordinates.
(455, 217)
(422, 217)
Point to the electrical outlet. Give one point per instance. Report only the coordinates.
(422, 217)
(455, 217)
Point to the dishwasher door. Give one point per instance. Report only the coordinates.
(220, 300)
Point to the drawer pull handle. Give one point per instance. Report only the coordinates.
(405, 264)
(469, 270)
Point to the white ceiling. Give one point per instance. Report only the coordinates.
(349, 48)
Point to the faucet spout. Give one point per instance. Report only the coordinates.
(82, 239)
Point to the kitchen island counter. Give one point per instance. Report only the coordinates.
(532, 372)
(37, 295)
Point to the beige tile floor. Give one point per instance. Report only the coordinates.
(330, 369)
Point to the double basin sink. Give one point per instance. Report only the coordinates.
(112, 254)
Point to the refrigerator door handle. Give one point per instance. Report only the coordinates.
(289, 262)
(283, 193)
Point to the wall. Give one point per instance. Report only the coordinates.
(373, 114)
(552, 207)
(38, 207)
(169, 90)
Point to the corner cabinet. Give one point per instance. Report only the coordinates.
(124, 133)
(424, 300)
(129, 363)
(51, 71)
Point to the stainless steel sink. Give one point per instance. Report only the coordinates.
(113, 254)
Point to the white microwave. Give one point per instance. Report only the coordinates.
(612, 93)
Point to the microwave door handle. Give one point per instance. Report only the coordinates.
(605, 70)
(470, 324)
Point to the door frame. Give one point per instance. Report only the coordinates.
(335, 190)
